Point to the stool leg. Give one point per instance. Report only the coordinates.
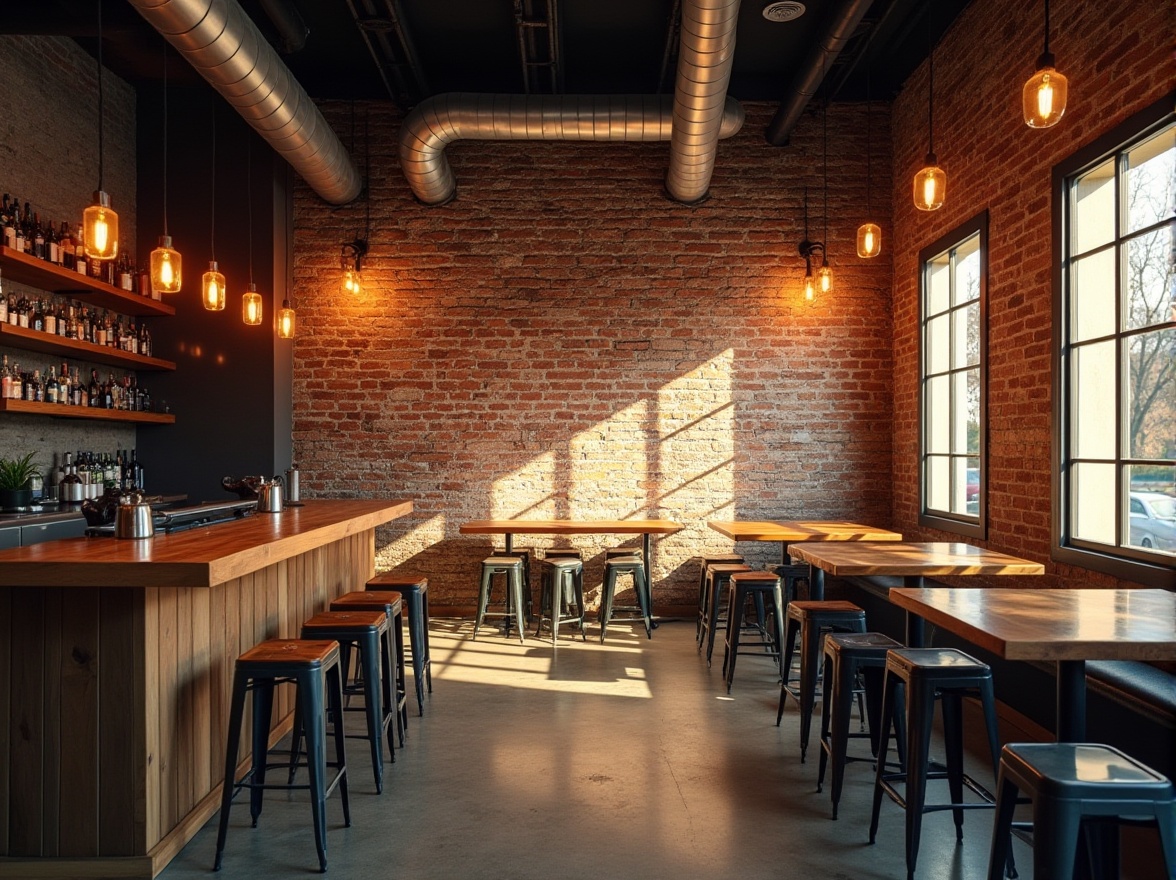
(1055, 841)
(295, 739)
(714, 604)
(334, 689)
(606, 600)
(790, 627)
(701, 606)
(889, 687)
(810, 652)
(428, 653)
(399, 686)
(236, 713)
(734, 619)
(921, 713)
(824, 729)
(1166, 825)
(369, 656)
(1002, 826)
(778, 622)
(842, 706)
(388, 689)
(557, 597)
(988, 703)
(644, 599)
(310, 686)
(953, 742)
(578, 586)
(522, 613)
(483, 598)
(416, 640)
(263, 702)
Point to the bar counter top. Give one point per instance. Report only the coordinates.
(199, 557)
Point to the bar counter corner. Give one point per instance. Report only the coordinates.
(115, 689)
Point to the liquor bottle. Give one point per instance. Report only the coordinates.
(100, 326)
(7, 227)
(22, 311)
(95, 389)
(5, 380)
(108, 393)
(126, 275)
(37, 317)
(65, 393)
(26, 226)
(144, 341)
(65, 246)
(13, 311)
(40, 246)
(62, 320)
(17, 382)
(51, 249)
(72, 327)
(81, 393)
(138, 476)
(81, 266)
(34, 391)
(3, 302)
(52, 387)
(18, 239)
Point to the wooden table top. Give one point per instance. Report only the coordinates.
(570, 527)
(934, 559)
(199, 557)
(1053, 624)
(790, 531)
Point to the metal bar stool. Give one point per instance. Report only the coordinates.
(313, 666)
(811, 620)
(752, 585)
(718, 580)
(511, 568)
(1074, 785)
(634, 566)
(414, 589)
(363, 630)
(526, 554)
(562, 580)
(707, 561)
(394, 692)
(928, 673)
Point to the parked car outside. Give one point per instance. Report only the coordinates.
(1153, 521)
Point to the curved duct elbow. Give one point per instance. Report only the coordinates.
(439, 121)
(700, 92)
(225, 47)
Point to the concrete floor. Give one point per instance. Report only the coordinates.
(624, 760)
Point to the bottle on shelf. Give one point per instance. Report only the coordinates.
(52, 387)
(6, 380)
(3, 303)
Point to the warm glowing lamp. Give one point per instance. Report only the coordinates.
(352, 282)
(869, 240)
(251, 306)
(930, 185)
(810, 289)
(165, 267)
(212, 288)
(1043, 99)
(825, 275)
(99, 221)
(285, 321)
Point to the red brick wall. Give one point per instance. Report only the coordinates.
(563, 342)
(1117, 60)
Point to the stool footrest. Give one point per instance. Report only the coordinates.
(971, 784)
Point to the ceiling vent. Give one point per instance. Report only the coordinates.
(783, 10)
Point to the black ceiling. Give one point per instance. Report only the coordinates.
(601, 46)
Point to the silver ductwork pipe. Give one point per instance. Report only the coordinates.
(842, 26)
(225, 47)
(439, 121)
(700, 92)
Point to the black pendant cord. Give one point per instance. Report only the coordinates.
(930, 86)
(367, 179)
(249, 199)
(825, 174)
(869, 210)
(1046, 27)
(100, 108)
(806, 234)
(212, 198)
(165, 139)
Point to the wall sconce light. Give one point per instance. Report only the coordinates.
(350, 261)
(1043, 99)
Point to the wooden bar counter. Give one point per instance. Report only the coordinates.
(117, 672)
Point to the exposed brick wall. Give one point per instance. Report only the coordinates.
(562, 341)
(49, 157)
(1117, 63)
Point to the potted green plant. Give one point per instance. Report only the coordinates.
(16, 475)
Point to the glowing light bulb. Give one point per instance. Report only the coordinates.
(869, 240)
(352, 283)
(251, 306)
(285, 321)
(212, 286)
(825, 274)
(166, 271)
(101, 232)
(100, 229)
(1043, 100)
(930, 185)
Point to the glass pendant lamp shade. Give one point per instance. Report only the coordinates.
(352, 282)
(825, 276)
(285, 321)
(810, 285)
(869, 240)
(251, 306)
(166, 266)
(100, 228)
(930, 185)
(1043, 100)
(212, 288)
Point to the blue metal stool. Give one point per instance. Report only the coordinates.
(718, 581)
(707, 561)
(754, 585)
(511, 568)
(562, 580)
(394, 690)
(634, 566)
(1073, 785)
(313, 666)
(414, 589)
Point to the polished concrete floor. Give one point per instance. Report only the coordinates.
(623, 760)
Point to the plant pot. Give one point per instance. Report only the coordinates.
(11, 499)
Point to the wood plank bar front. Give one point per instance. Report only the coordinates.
(116, 689)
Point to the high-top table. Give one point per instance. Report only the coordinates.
(1067, 627)
(646, 528)
(912, 562)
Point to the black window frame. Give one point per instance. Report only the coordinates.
(1124, 563)
(960, 524)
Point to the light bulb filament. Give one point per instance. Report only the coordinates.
(1045, 97)
(101, 233)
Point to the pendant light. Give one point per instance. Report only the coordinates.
(1043, 99)
(99, 221)
(352, 253)
(869, 235)
(285, 321)
(285, 316)
(165, 260)
(930, 182)
(212, 283)
(251, 302)
(808, 249)
(825, 274)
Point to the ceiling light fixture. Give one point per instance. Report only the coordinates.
(212, 284)
(869, 234)
(251, 301)
(825, 274)
(930, 181)
(166, 263)
(352, 253)
(809, 249)
(99, 221)
(1043, 99)
(285, 318)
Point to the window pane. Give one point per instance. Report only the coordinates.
(1092, 497)
(972, 487)
(1150, 422)
(938, 344)
(1093, 400)
(1092, 295)
(966, 329)
(1093, 200)
(967, 280)
(970, 406)
(959, 488)
(1151, 170)
(938, 282)
(938, 484)
(937, 409)
(1149, 279)
(1151, 520)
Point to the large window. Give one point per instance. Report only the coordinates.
(952, 319)
(1115, 370)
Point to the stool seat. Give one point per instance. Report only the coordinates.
(869, 644)
(805, 607)
(414, 591)
(944, 663)
(368, 600)
(291, 652)
(331, 620)
(1071, 784)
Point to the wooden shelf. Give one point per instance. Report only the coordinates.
(48, 343)
(28, 270)
(85, 412)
